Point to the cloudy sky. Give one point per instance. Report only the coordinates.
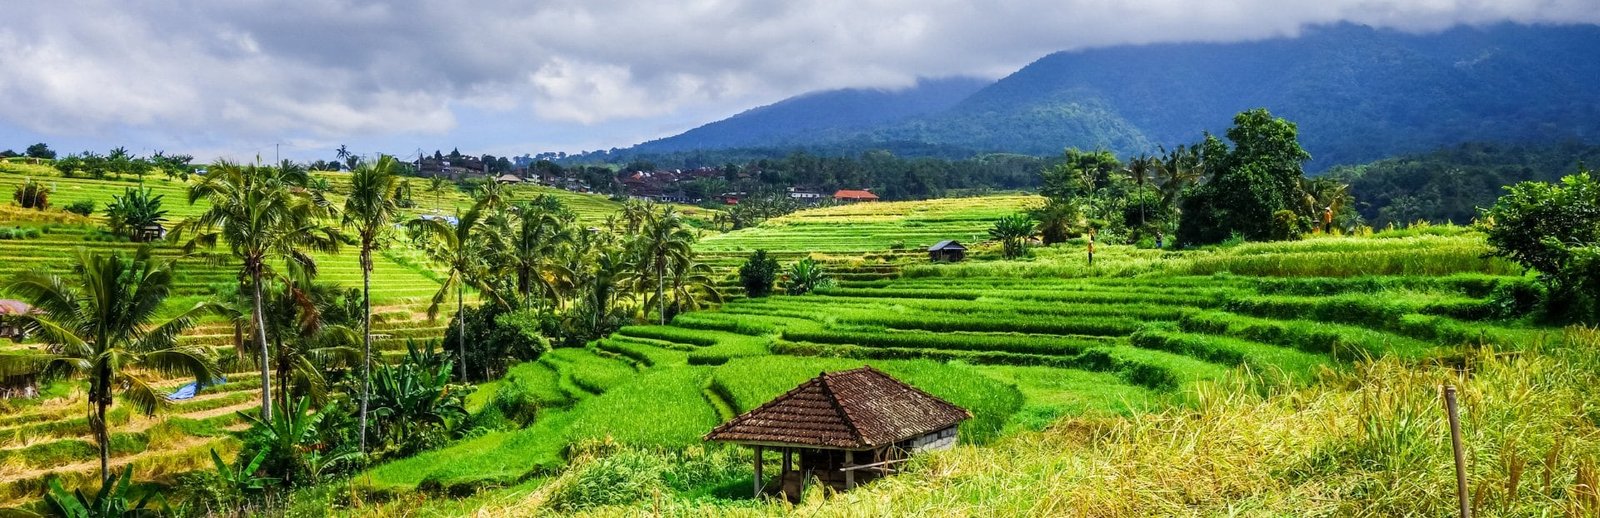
(234, 78)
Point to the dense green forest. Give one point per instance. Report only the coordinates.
(1452, 184)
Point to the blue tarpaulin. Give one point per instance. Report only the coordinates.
(188, 391)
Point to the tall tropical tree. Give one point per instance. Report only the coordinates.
(604, 286)
(369, 212)
(304, 341)
(544, 231)
(437, 185)
(458, 247)
(100, 324)
(1175, 171)
(261, 214)
(635, 214)
(1139, 170)
(664, 248)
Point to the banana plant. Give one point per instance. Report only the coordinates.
(110, 502)
(241, 479)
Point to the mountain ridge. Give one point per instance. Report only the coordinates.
(1357, 93)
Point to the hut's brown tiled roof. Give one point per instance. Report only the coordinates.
(855, 409)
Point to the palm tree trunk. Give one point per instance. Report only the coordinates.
(1141, 204)
(261, 339)
(661, 288)
(101, 401)
(366, 337)
(461, 328)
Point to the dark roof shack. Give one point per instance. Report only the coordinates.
(948, 244)
(855, 409)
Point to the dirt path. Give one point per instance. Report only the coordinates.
(142, 424)
(117, 463)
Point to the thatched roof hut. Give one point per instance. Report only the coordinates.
(846, 427)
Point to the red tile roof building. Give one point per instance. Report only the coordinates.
(849, 195)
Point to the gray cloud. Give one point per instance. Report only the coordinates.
(233, 74)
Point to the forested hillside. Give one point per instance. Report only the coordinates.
(1452, 184)
(1358, 94)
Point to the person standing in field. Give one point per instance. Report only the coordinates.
(1091, 247)
(1158, 240)
(1327, 220)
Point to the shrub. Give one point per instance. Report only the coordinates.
(134, 210)
(80, 207)
(1554, 229)
(758, 274)
(1287, 226)
(32, 195)
(1013, 232)
(496, 338)
(805, 276)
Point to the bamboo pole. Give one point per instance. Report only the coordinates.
(1455, 443)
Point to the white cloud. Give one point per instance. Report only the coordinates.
(241, 73)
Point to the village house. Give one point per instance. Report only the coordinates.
(805, 196)
(842, 429)
(454, 169)
(853, 196)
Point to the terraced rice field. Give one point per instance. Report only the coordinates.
(877, 226)
(49, 437)
(1020, 343)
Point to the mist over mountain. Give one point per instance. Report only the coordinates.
(1357, 93)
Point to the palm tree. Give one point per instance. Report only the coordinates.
(636, 213)
(544, 230)
(1177, 170)
(456, 246)
(99, 325)
(665, 246)
(605, 285)
(1139, 169)
(369, 211)
(261, 213)
(692, 287)
(437, 185)
(304, 342)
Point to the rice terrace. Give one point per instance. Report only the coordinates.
(1330, 269)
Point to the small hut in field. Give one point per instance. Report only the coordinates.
(151, 232)
(948, 251)
(10, 321)
(843, 429)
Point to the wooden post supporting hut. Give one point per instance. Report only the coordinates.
(842, 429)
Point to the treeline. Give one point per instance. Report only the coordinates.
(1251, 187)
(1452, 184)
(890, 176)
